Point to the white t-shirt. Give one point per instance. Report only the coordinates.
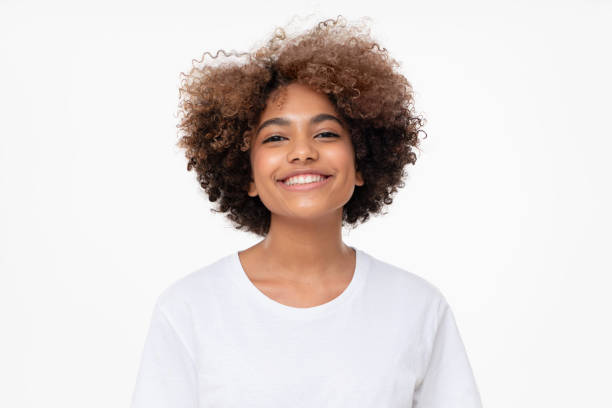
(388, 340)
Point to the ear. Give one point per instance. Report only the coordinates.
(358, 178)
(252, 189)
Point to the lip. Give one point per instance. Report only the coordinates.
(303, 171)
(305, 187)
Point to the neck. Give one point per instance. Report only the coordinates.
(305, 249)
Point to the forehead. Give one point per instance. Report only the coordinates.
(295, 99)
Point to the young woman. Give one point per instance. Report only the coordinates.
(310, 134)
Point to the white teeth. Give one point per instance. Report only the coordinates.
(303, 179)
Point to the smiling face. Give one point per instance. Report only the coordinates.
(302, 132)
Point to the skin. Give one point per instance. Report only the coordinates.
(302, 262)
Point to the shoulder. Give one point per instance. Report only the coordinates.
(402, 294)
(196, 286)
(404, 283)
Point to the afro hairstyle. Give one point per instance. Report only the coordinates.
(221, 103)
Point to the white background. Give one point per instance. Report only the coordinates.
(507, 209)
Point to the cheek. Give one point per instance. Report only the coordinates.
(263, 164)
(340, 157)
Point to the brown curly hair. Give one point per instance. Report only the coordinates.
(220, 106)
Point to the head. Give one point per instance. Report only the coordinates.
(303, 132)
(343, 109)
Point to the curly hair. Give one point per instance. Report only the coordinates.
(220, 106)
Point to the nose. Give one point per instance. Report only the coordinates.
(302, 148)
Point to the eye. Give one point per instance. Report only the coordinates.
(328, 133)
(270, 138)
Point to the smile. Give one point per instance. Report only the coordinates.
(305, 186)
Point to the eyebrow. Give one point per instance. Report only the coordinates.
(285, 122)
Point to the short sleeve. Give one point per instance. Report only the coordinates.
(167, 376)
(448, 380)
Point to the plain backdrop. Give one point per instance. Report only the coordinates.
(507, 209)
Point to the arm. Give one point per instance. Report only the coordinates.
(448, 380)
(167, 377)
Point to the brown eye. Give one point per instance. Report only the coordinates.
(270, 138)
(328, 133)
